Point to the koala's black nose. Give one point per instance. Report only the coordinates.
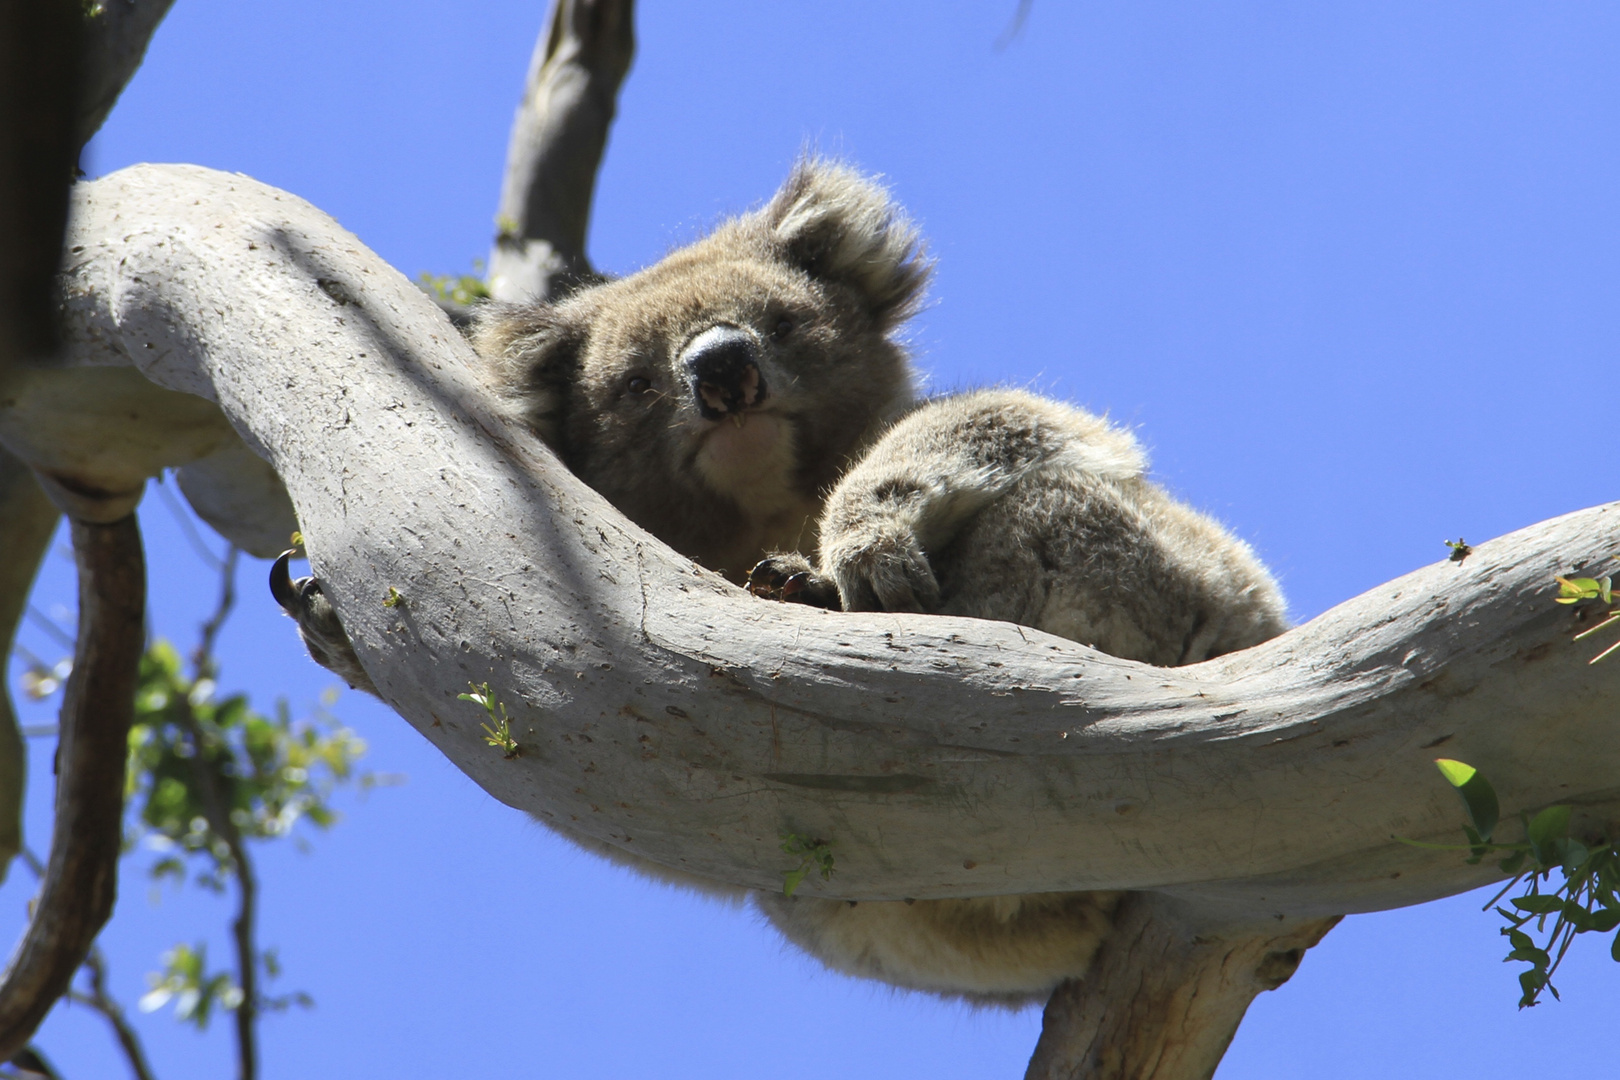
(722, 368)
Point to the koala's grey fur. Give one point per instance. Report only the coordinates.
(811, 286)
(1002, 505)
(718, 396)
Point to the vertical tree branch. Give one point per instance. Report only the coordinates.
(81, 877)
(27, 520)
(1166, 993)
(558, 138)
(39, 90)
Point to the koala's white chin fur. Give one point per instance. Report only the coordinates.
(750, 458)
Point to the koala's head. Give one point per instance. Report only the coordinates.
(715, 396)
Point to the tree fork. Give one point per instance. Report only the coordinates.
(1166, 993)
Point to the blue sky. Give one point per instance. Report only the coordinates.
(1350, 270)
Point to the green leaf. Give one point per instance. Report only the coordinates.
(1538, 904)
(1614, 949)
(1479, 798)
(792, 880)
(1549, 825)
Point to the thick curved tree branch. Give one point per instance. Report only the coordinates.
(81, 876)
(664, 712)
(558, 137)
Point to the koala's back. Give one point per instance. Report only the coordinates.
(1107, 558)
(1003, 505)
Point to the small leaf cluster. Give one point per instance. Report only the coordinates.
(1572, 590)
(498, 731)
(186, 981)
(813, 855)
(463, 289)
(268, 772)
(1588, 901)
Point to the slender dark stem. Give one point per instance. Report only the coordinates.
(202, 661)
(217, 809)
(172, 503)
(81, 878)
(102, 1002)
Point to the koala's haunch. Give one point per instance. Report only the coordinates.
(1003, 505)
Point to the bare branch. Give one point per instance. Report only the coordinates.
(116, 35)
(97, 709)
(202, 660)
(556, 147)
(27, 520)
(102, 1001)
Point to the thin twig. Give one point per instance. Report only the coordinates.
(202, 660)
(1016, 26)
(104, 1003)
(172, 503)
(216, 808)
(49, 625)
(219, 821)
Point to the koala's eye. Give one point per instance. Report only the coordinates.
(784, 327)
(638, 385)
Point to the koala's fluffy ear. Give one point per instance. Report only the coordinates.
(533, 357)
(837, 224)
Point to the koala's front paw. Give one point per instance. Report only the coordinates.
(882, 570)
(318, 625)
(789, 577)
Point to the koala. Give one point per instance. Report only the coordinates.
(715, 396)
(745, 400)
(1003, 505)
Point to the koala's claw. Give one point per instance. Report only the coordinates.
(318, 624)
(791, 579)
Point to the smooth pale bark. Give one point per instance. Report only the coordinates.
(1166, 992)
(558, 137)
(662, 711)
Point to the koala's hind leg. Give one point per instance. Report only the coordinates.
(318, 625)
(934, 471)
